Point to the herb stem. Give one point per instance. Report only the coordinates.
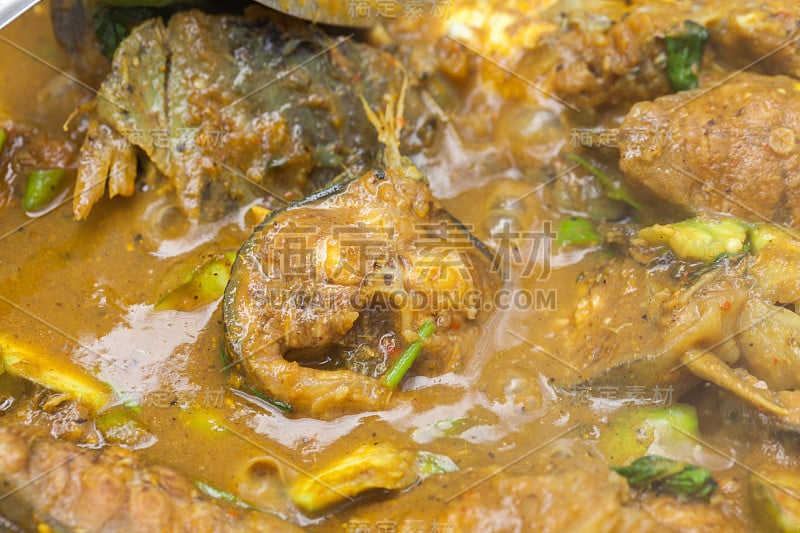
(400, 367)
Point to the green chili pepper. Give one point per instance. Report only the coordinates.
(575, 230)
(41, 187)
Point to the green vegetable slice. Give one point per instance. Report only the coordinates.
(430, 464)
(639, 431)
(395, 375)
(700, 239)
(684, 53)
(613, 190)
(576, 230)
(120, 425)
(653, 472)
(54, 374)
(371, 466)
(41, 187)
(3, 137)
(201, 286)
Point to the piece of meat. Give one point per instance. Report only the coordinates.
(228, 107)
(588, 57)
(764, 36)
(110, 491)
(690, 516)
(563, 488)
(334, 270)
(594, 54)
(568, 498)
(657, 322)
(729, 148)
(573, 493)
(105, 157)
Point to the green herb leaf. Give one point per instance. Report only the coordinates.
(692, 482)
(114, 19)
(283, 406)
(684, 53)
(653, 472)
(112, 24)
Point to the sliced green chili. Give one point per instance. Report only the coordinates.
(576, 230)
(203, 285)
(41, 187)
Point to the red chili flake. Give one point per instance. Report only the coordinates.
(455, 326)
(726, 306)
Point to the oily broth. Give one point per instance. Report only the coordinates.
(84, 291)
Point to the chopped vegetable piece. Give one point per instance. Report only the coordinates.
(41, 187)
(54, 374)
(699, 239)
(395, 374)
(372, 466)
(613, 190)
(575, 230)
(203, 285)
(775, 494)
(762, 235)
(120, 426)
(653, 472)
(429, 464)
(3, 137)
(684, 54)
(203, 420)
(440, 429)
(642, 431)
